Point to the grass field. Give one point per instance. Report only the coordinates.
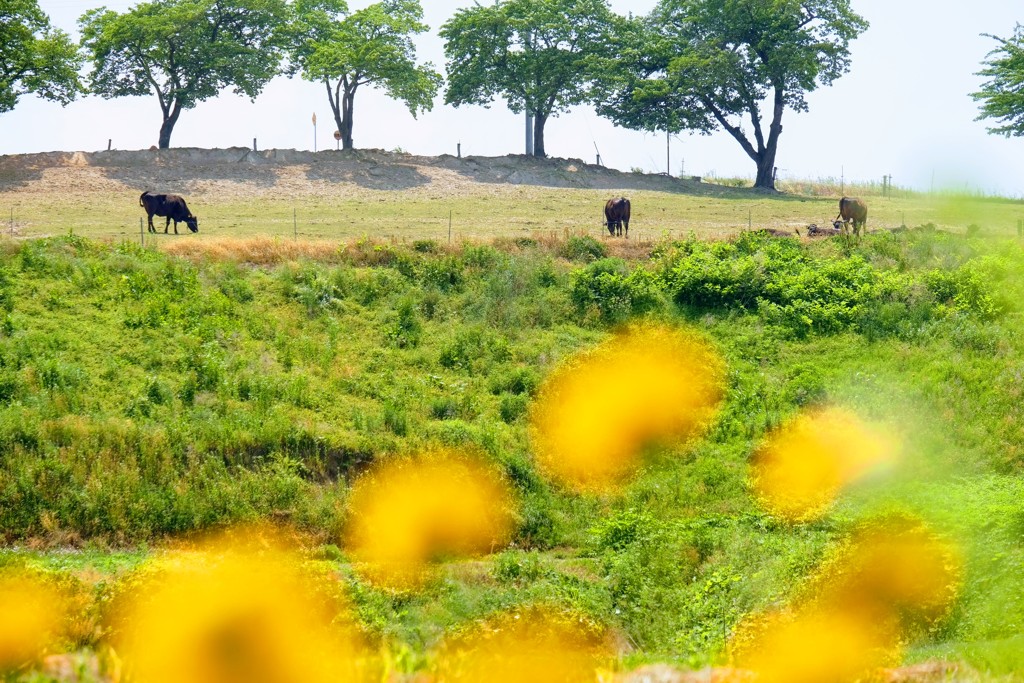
(150, 395)
(406, 198)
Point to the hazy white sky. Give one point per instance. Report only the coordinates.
(904, 109)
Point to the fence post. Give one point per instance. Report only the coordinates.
(1020, 228)
(142, 235)
(295, 224)
(254, 144)
(449, 226)
(458, 150)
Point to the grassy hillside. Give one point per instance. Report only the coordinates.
(145, 394)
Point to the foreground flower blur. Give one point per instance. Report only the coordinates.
(231, 614)
(804, 465)
(406, 513)
(596, 414)
(30, 619)
(531, 644)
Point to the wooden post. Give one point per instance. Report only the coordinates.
(254, 144)
(295, 224)
(458, 150)
(12, 221)
(109, 142)
(449, 226)
(142, 235)
(750, 219)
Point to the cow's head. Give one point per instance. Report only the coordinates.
(192, 222)
(611, 228)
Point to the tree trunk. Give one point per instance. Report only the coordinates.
(170, 118)
(348, 105)
(538, 134)
(766, 169)
(766, 157)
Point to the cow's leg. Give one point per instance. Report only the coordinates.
(627, 228)
(151, 228)
(167, 224)
(175, 226)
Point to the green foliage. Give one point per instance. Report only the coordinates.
(583, 248)
(616, 294)
(695, 64)
(1002, 95)
(372, 46)
(536, 54)
(182, 51)
(34, 57)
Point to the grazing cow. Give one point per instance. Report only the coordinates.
(852, 209)
(170, 205)
(616, 213)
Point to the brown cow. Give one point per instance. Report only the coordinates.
(852, 209)
(616, 213)
(170, 205)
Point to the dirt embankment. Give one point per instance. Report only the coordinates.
(288, 173)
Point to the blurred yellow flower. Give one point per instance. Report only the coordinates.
(815, 646)
(407, 513)
(803, 466)
(895, 565)
(648, 384)
(532, 644)
(224, 614)
(31, 615)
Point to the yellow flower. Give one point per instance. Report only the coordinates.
(595, 415)
(406, 513)
(228, 614)
(31, 614)
(532, 644)
(816, 646)
(803, 466)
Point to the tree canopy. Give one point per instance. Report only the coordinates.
(372, 46)
(706, 64)
(183, 51)
(539, 55)
(1002, 96)
(35, 57)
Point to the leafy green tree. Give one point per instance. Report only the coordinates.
(183, 51)
(540, 55)
(35, 57)
(729, 64)
(372, 46)
(1002, 96)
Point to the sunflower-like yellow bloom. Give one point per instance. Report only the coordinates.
(897, 566)
(224, 614)
(595, 415)
(892, 575)
(406, 513)
(533, 644)
(816, 646)
(804, 465)
(31, 615)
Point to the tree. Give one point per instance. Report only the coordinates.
(715, 61)
(540, 55)
(183, 51)
(1002, 96)
(370, 47)
(34, 57)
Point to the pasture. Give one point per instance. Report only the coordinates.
(335, 196)
(149, 395)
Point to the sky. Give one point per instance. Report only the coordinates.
(904, 110)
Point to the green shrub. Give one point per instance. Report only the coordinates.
(616, 294)
(582, 248)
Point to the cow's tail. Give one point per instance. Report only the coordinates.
(140, 198)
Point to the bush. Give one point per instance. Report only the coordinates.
(606, 287)
(583, 248)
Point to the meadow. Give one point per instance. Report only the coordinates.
(151, 394)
